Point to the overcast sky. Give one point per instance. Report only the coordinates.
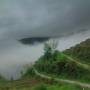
(32, 18)
(39, 18)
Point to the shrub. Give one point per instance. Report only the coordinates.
(41, 87)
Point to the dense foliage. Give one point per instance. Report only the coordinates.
(56, 63)
(62, 67)
(81, 52)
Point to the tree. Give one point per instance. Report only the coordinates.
(50, 48)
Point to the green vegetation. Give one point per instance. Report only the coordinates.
(41, 87)
(64, 87)
(58, 87)
(31, 85)
(28, 73)
(55, 64)
(80, 52)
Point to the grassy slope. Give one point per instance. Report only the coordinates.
(80, 52)
(64, 68)
(10, 86)
(33, 83)
(62, 87)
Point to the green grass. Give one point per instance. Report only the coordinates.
(22, 85)
(55, 87)
(64, 87)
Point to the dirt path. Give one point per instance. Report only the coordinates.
(77, 62)
(63, 80)
(87, 67)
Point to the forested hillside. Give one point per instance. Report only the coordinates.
(59, 64)
(80, 52)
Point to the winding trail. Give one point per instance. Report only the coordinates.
(84, 85)
(85, 66)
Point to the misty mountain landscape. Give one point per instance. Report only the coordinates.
(45, 45)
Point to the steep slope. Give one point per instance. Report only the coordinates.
(80, 52)
(63, 68)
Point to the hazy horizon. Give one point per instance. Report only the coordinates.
(17, 55)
